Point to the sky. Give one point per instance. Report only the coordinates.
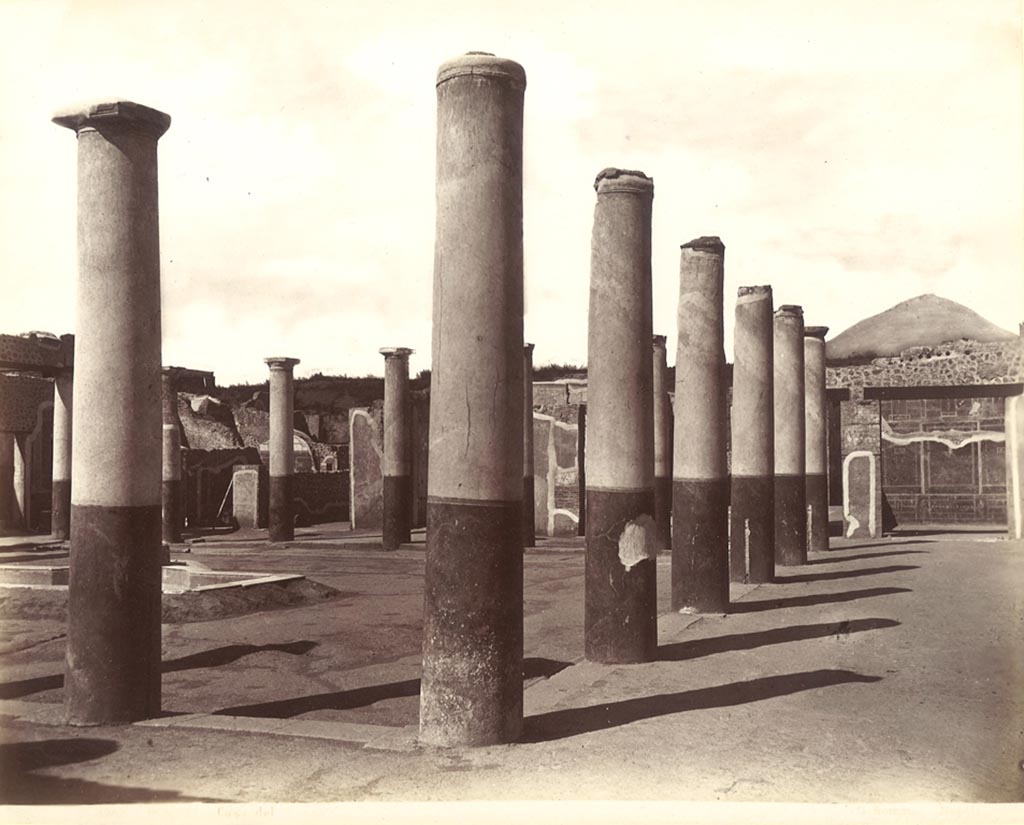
(852, 154)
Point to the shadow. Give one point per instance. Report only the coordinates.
(939, 530)
(533, 668)
(21, 787)
(887, 543)
(697, 648)
(862, 556)
(58, 554)
(818, 598)
(843, 574)
(560, 724)
(208, 658)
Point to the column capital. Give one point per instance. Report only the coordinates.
(119, 112)
(482, 64)
(706, 243)
(611, 180)
(281, 363)
(396, 352)
(790, 311)
(753, 293)
(815, 332)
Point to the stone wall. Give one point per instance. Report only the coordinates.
(556, 503)
(320, 497)
(206, 476)
(366, 467)
(21, 396)
(33, 352)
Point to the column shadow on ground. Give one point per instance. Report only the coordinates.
(561, 724)
(843, 574)
(862, 556)
(698, 648)
(18, 761)
(533, 667)
(208, 658)
(814, 599)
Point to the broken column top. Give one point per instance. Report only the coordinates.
(815, 332)
(753, 293)
(117, 112)
(790, 311)
(482, 64)
(623, 180)
(396, 352)
(528, 348)
(706, 243)
(659, 341)
(281, 362)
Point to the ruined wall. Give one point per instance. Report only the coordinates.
(556, 499)
(320, 497)
(21, 396)
(366, 467)
(206, 476)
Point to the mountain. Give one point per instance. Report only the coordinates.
(926, 320)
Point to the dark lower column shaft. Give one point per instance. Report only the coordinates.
(620, 614)
(663, 512)
(280, 517)
(790, 520)
(397, 511)
(752, 529)
(60, 509)
(817, 503)
(114, 601)
(700, 511)
(172, 511)
(529, 528)
(473, 623)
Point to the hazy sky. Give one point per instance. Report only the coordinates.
(851, 154)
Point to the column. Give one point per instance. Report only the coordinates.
(620, 614)
(752, 496)
(662, 446)
(23, 480)
(790, 478)
(700, 495)
(816, 438)
(112, 673)
(529, 534)
(472, 686)
(8, 501)
(172, 493)
(397, 448)
(280, 518)
(1014, 424)
(63, 393)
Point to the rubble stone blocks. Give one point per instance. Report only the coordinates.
(752, 488)
(816, 438)
(366, 468)
(112, 671)
(700, 496)
(173, 515)
(472, 686)
(1014, 423)
(620, 613)
(790, 473)
(281, 514)
(861, 446)
(529, 515)
(63, 394)
(662, 445)
(397, 480)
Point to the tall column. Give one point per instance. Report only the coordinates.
(8, 519)
(172, 494)
(472, 686)
(816, 438)
(397, 448)
(790, 476)
(63, 393)
(112, 671)
(529, 534)
(1014, 425)
(752, 490)
(700, 495)
(662, 445)
(620, 614)
(280, 518)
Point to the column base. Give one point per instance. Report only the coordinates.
(397, 515)
(472, 686)
(752, 529)
(112, 672)
(790, 520)
(280, 518)
(700, 545)
(817, 501)
(621, 597)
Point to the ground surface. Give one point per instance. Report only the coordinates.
(884, 671)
